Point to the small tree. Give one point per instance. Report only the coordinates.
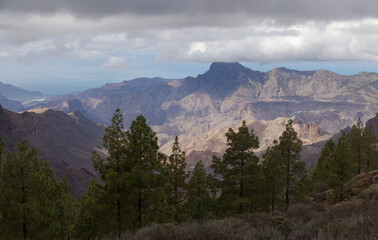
(93, 213)
(357, 143)
(362, 145)
(178, 175)
(370, 151)
(273, 170)
(324, 165)
(33, 204)
(199, 197)
(343, 167)
(2, 146)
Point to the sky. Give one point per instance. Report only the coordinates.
(57, 46)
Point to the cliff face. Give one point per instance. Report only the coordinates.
(66, 141)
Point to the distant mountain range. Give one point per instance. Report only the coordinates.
(12, 92)
(11, 104)
(66, 141)
(12, 97)
(226, 94)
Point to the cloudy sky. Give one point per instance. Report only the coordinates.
(60, 46)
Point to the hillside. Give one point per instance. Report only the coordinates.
(354, 218)
(66, 141)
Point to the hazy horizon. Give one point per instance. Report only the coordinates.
(66, 86)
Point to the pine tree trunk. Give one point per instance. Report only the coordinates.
(140, 208)
(241, 185)
(342, 183)
(359, 159)
(176, 190)
(287, 185)
(288, 179)
(199, 203)
(273, 197)
(118, 197)
(119, 216)
(23, 201)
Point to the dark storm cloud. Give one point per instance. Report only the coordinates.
(282, 10)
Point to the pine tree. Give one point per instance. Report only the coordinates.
(323, 166)
(343, 167)
(238, 169)
(199, 202)
(148, 178)
(93, 214)
(2, 146)
(370, 151)
(111, 172)
(178, 175)
(356, 144)
(290, 146)
(273, 170)
(34, 204)
(362, 145)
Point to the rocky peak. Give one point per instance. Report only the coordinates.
(223, 79)
(227, 67)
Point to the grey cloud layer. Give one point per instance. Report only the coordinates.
(195, 30)
(275, 9)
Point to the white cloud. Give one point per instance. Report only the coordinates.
(188, 38)
(115, 63)
(311, 41)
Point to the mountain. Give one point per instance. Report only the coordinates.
(66, 141)
(200, 109)
(11, 92)
(11, 104)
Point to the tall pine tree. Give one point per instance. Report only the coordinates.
(148, 177)
(238, 170)
(111, 172)
(178, 175)
(294, 169)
